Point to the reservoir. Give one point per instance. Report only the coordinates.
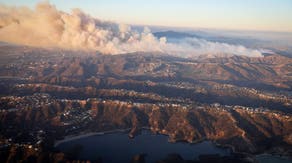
(117, 147)
(267, 158)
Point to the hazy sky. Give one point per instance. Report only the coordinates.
(272, 15)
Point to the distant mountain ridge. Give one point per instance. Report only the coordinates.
(174, 34)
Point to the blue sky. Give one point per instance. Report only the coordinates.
(268, 15)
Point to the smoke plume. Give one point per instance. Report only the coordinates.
(45, 26)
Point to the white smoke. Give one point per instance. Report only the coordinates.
(193, 47)
(45, 26)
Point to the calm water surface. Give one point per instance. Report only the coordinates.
(117, 147)
(267, 158)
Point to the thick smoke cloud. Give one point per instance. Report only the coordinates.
(45, 26)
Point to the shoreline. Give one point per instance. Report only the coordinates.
(87, 134)
(231, 147)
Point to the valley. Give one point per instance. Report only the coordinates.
(237, 102)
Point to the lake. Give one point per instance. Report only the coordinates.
(117, 147)
(267, 158)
